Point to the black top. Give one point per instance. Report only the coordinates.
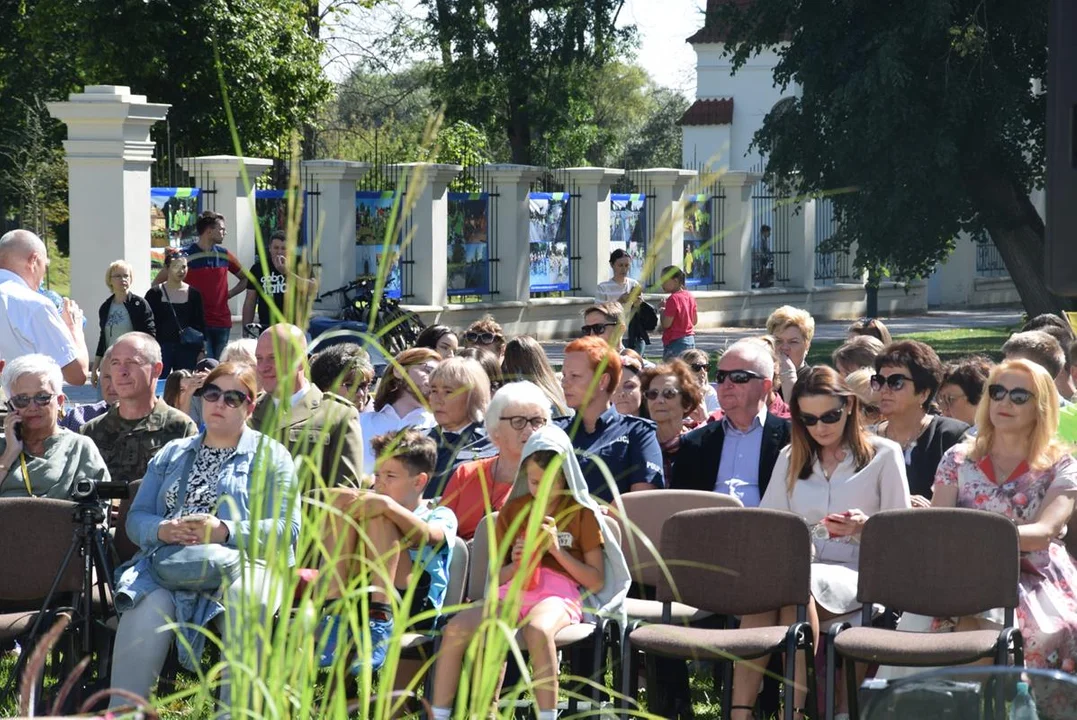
(455, 449)
(272, 284)
(941, 434)
(695, 466)
(138, 309)
(189, 314)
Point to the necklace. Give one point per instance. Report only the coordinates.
(924, 422)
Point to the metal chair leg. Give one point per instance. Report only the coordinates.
(852, 690)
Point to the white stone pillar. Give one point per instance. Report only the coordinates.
(429, 229)
(592, 223)
(512, 183)
(668, 186)
(957, 275)
(109, 156)
(736, 230)
(798, 216)
(332, 229)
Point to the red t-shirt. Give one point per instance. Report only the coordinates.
(680, 306)
(207, 272)
(465, 497)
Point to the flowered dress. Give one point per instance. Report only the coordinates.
(1047, 613)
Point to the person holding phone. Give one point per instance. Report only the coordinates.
(268, 284)
(38, 458)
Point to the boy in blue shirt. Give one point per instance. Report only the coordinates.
(394, 517)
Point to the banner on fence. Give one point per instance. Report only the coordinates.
(549, 237)
(271, 210)
(372, 212)
(173, 214)
(627, 229)
(468, 243)
(699, 241)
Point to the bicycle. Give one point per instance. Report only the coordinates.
(397, 327)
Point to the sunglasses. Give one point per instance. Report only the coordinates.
(895, 381)
(739, 377)
(21, 402)
(946, 401)
(232, 398)
(483, 338)
(698, 367)
(998, 393)
(596, 329)
(519, 422)
(667, 393)
(827, 418)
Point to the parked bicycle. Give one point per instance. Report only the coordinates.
(396, 327)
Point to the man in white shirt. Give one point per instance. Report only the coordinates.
(29, 322)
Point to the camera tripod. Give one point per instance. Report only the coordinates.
(92, 543)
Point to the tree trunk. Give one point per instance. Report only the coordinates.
(514, 50)
(1017, 230)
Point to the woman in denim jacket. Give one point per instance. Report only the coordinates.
(241, 492)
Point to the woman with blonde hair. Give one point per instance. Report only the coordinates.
(793, 329)
(459, 396)
(526, 360)
(835, 475)
(122, 312)
(400, 400)
(1016, 467)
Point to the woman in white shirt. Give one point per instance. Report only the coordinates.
(835, 475)
(400, 400)
(621, 286)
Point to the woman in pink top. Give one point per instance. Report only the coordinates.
(482, 486)
(678, 314)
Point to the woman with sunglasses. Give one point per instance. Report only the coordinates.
(230, 485)
(479, 487)
(699, 362)
(835, 475)
(400, 400)
(672, 393)
(1016, 467)
(38, 458)
(907, 376)
(487, 334)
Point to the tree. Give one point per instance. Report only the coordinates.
(925, 110)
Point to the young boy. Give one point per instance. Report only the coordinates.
(678, 313)
(393, 516)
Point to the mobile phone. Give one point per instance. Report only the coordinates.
(18, 431)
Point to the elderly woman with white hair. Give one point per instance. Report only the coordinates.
(479, 487)
(459, 395)
(38, 458)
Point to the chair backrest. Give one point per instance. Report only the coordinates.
(645, 514)
(1071, 536)
(125, 547)
(458, 573)
(35, 535)
(735, 561)
(939, 562)
(480, 554)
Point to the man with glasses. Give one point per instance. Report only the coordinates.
(605, 320)
(487, 334)
(306, 418)
(140, 424)
(737, 455)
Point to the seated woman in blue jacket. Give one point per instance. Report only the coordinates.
(240, 492)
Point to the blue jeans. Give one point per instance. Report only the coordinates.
(216, 339)
(175, 356)
(675, 348)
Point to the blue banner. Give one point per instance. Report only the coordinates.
(549, 237)
(173, 214)
(372, 212)
(699, 241)
(628, 230)
(468, 243)
(271, 208)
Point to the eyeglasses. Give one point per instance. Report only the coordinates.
(739, 377)
(21, 402)
(483, 338)
(232, 398)
(946, 401)
(827, 418)
(596, 329)
(519, 422)
(895, 382)
(998, 393)
(698, 367)
(667, 393)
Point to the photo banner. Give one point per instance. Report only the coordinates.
(372, 212)
(628, 230)
(468, 243)
(173, 215)
(699, 241)
(549, 237)
(271, 209)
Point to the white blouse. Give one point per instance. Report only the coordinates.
(387, 421)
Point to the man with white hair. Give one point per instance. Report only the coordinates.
(736, 456)
(29, 322)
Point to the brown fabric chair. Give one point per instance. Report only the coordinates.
(125, 547)
(716, 565)
(940, 562)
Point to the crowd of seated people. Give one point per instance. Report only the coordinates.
(448, 434)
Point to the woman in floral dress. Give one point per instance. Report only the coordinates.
(1015, 467)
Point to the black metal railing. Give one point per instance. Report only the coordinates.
(831, 265)
(989, 262)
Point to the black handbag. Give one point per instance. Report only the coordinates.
(188, 335)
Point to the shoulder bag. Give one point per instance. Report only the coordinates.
(188, 335)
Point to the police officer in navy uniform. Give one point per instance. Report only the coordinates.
(627, 445)
(308, 418)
